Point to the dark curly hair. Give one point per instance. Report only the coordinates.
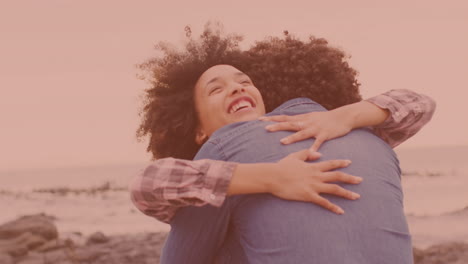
(287, 68)
(281, 68)
(169, 116)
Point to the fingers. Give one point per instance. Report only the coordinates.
(337, 190)
(301, 155)
(314, 155)
(331, 164)
(335, 176)
(317, 143)
(319, 200)
(305, 154)
(298, 136)
(288, 126)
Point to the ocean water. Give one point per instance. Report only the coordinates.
(435, 180)
(77, 203)
(72, 177)
(435, 185)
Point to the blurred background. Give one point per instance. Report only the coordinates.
(70, 96)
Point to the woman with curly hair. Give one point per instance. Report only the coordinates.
(313, 68)
(201, 94)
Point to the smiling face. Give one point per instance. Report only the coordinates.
(225, 95)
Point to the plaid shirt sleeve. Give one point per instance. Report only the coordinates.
(409, 112)
(169, 184)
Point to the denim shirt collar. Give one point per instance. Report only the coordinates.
(277, 111)
(296, 101)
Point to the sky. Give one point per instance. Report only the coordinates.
(69, 92)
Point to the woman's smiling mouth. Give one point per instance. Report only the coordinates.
(240, 104)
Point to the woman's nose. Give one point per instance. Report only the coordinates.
(237, 89)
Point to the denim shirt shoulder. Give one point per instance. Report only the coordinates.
(213, 148)
(297, 106)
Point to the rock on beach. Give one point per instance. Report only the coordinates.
(34, 239)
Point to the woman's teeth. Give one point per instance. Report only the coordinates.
(239, 105)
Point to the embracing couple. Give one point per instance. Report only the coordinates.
(245, 183)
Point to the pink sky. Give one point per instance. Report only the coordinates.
(69, 92)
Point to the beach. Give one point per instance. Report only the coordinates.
(83, 202)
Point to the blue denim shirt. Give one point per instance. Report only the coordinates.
(273, 230)
(250, 142)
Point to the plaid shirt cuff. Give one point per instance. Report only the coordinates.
(217, 179)
(409, 112)
(169, 184)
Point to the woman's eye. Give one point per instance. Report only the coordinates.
(215, 90)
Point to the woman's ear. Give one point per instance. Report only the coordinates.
(200, 137)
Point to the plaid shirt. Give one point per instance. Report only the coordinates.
(169, 184)
(409, 112)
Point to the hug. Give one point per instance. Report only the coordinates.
(237, 175)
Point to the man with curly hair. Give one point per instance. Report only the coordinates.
(272, 230)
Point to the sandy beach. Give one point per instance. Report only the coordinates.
(111, 212)
(81, 215)
(103, 227)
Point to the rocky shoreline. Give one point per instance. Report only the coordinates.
(34, 239)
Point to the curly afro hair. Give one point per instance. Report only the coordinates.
(281, 68)
(169, 116)
(288, 68)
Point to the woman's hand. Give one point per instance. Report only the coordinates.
(328, 125)
(322, 126)
(294, 179)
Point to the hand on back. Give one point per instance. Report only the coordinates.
(322, 126)
(298, 180)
